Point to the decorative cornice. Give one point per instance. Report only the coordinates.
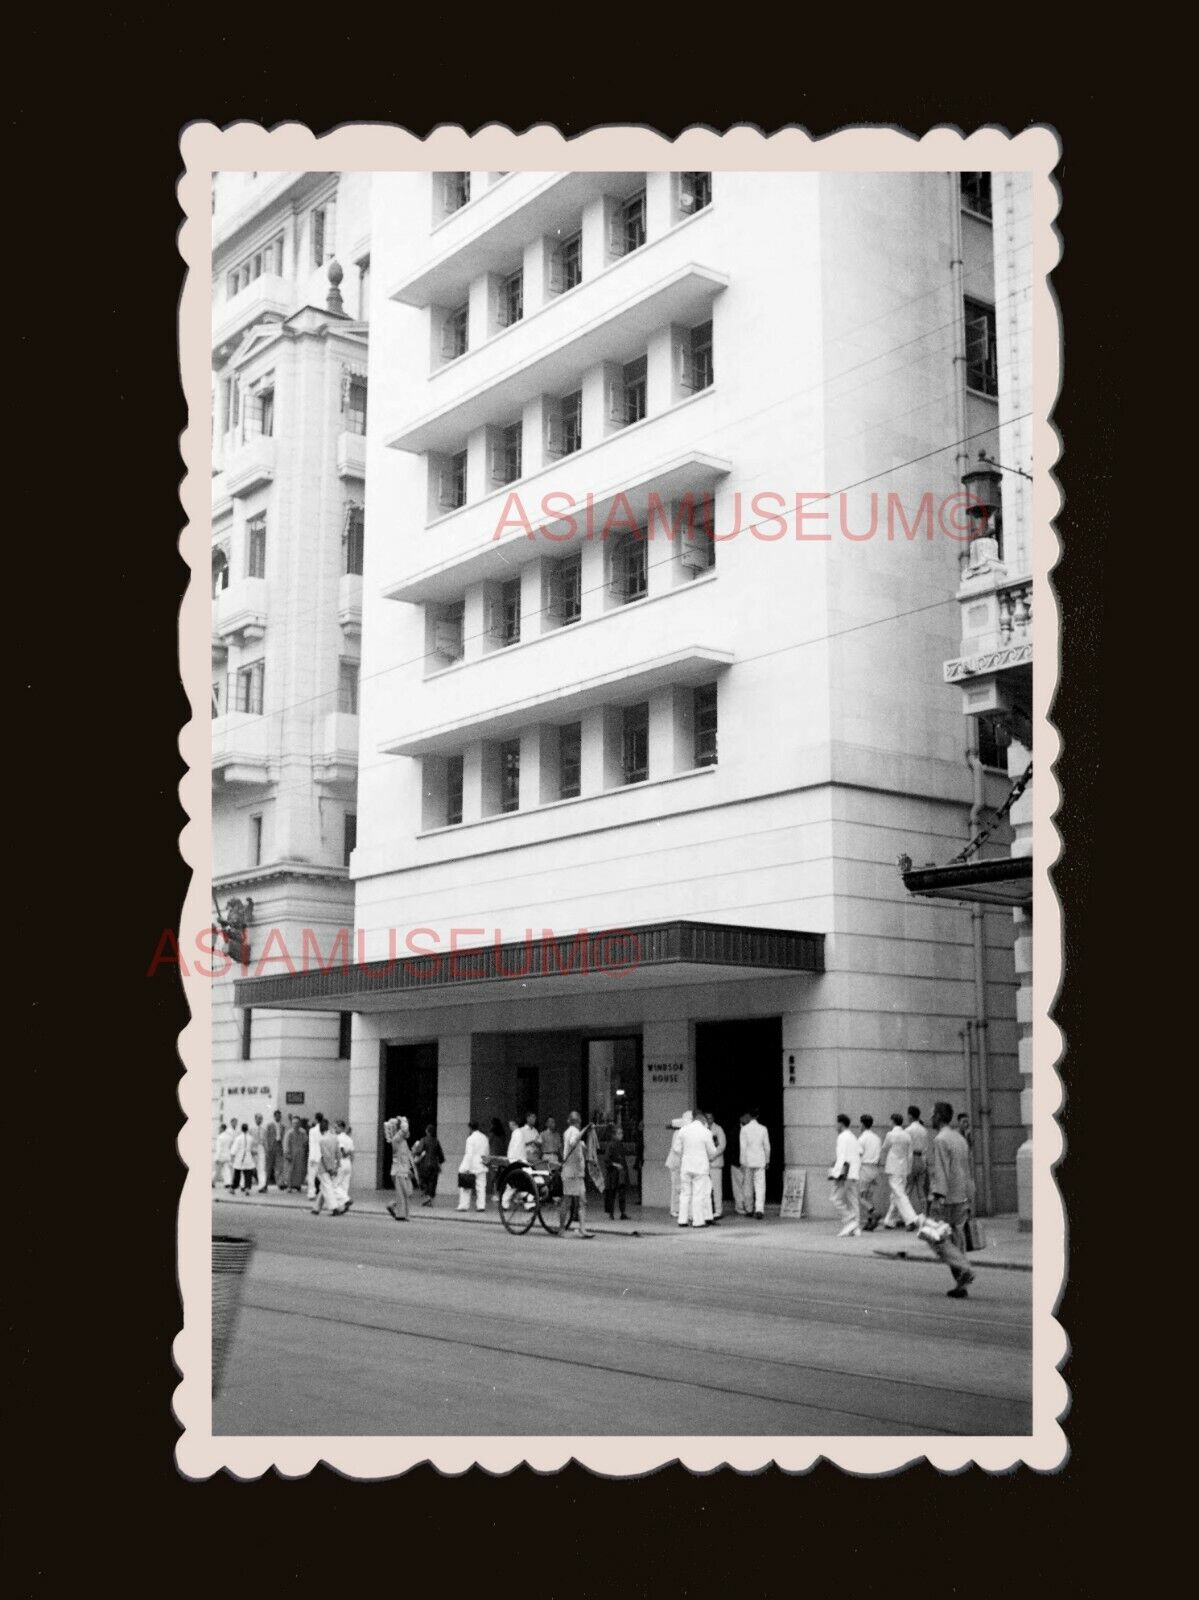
(1012, 655)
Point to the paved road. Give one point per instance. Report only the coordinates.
(355, 1325)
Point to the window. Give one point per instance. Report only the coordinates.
(347, 687)
(256, 841)
(448, 630)
(504, 462)
(345, 1024)
(267, 259)
(564, 425)
(265, 412)
(976, 193)
(627, 228)
(566, 264)
(566, 590)
(320, 229)
(256, 546)
(704, 707)
(695, 358)
(510, 612)
(634, 743)
(695, 520)
(248, 685)
(570, 760)
(364, 289)
(695, 191)
(993, 741)
(354, 404)
(982, 368)
(353, 540)
(630, 567)
(511, 307)
(510, 775)
(634, 391)
(451, 485)
(455, 191)
(453, 791)
(218, 697)
(349, 839)
(220, 571)
(454, 333)
(247, 1032)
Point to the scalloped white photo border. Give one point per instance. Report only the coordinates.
(206, 149)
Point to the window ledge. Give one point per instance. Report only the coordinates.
(555, 465)
(548, 305)
(558, 805)
(473, 201)
(572, 628)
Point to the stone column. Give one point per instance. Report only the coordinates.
(668, 1089)
(366, 1073)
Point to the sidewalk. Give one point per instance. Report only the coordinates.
(1007, 1247)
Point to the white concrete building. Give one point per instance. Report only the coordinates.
(993, 661)
(717, 746)
(289, 353)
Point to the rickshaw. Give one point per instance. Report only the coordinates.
(532, 1195)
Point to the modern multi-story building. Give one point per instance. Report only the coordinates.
(290, 306)
(993, 662)
(662, 569)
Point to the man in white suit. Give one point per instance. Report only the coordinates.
(474, 1164)
(698, 1149)
(314, 1155)
(755, 1158)
(845, 1170)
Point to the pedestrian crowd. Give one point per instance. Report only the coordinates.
(302, 1157)
(909, 1179)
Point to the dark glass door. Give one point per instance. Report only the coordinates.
(739, 1065)
(612, 1092)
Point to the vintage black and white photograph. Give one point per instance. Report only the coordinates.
(611, 945)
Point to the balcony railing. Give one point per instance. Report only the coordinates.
(268, 296)
(250, 465)
(1015, 612)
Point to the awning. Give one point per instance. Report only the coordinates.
(1002, 881)
(653, 954)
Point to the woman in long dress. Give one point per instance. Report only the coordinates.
(403, 1171)
(297, 1168)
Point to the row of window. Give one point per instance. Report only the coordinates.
(353, 549)
(243, 690)
(502, 762)
(563, 260)
(627, 581)
(452, 191)
(626, 401)
(249, 411)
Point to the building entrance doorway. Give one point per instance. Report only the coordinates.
(739, 1065)
(407, 1088)
(612, 1097)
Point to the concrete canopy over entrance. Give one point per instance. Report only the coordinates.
(640, 957)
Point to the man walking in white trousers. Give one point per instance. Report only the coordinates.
(755, 1158)
(847, 1164)
(314, 1155)
(897, 1163)
(258, 1145)
(695, 1174)
(474, 1165)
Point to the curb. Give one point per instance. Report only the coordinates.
(619, 1233)
(934, 1261)
(434, 1216)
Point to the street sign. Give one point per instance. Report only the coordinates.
(794, 1183)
